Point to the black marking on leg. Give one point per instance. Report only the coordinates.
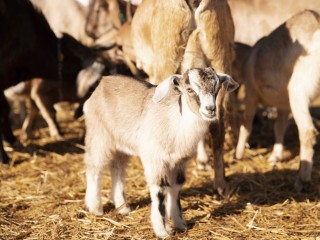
(180, 177)
(162, 208)
(179, 203)
(164, 182)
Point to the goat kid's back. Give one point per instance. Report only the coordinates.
(114, 96)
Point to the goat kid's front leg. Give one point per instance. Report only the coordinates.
(118, 172)
(174, 209)
(202, 156)
(159, 217)
(158, 187)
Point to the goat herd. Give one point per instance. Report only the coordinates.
(193, 54)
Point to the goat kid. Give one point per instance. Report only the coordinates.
(162, 125)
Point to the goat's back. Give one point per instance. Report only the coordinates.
(254, 19)
(275, 57)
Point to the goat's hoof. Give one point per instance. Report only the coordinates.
(273, 160)
(58, 137)
(222, 188)
(302, 186)
(124, 209)
(203, 166)
(237, 157)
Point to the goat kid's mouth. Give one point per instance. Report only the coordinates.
(208, 116)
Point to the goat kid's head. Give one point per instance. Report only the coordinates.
(200, 86)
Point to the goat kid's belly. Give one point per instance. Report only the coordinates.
(148, 147)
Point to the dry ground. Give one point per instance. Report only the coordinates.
(42, 192)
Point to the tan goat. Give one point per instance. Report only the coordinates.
(174, 35)
(283, 70)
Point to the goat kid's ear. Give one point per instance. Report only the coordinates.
(227, 81)
(164, 87)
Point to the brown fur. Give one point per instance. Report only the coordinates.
(194, 34)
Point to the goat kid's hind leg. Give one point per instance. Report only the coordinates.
(96, 157)
(280, 127)
(118, 172)
(174, 210)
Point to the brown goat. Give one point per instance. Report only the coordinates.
(194, 34)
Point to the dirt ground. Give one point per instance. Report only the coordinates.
(42, 192)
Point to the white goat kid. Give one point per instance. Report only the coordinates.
(162, 125)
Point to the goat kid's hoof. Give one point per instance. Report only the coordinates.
(302, 186)
(181, 226)
(163, 233)
(123, 210)
(98, 211)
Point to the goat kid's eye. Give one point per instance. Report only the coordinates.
(190, 90)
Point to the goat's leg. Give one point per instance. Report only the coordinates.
(307, 135)
(280, 127)
(217, 136)
(49, 114)
(118, 172)
(174, 210)
(28, 122)
(3, 155)
(202, 156)
(45, 103)
(246, 126)
(220, 183)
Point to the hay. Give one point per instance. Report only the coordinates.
(42, 194)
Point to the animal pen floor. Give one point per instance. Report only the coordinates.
(42, 192)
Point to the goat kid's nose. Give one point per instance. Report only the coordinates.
(210, 108)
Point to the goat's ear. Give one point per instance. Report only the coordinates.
(227, 81)
(164, 87)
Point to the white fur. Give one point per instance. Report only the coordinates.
(121, 118)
